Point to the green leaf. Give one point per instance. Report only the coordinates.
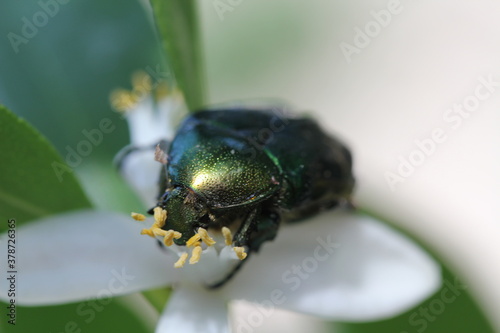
(63, 90)
(177, 25)
(158, 297)
(34, 180)
(93, 315)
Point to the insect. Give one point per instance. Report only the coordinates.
(250, 170)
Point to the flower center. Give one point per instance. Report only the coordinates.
(198, 244)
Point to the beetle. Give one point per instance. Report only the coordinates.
(253, 167)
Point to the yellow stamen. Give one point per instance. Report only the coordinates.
(160, 216)
(141, 83)
(159, 232)
(123, 100)
(148, 232)
(201, 236)
(182, 260)
(138, 217)
(195, 255)
(228, 237)
(205, 237)
(240, 252)
(154, 231)
(163, 90)
(169, 237)
(193, 240)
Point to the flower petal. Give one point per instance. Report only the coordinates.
(251, 317)
(148, 125)
(194, 310)
(339, 265)
(144, 122)
(84, 254)
(139, 167)
(142, 173)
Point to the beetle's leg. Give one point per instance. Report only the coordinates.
(246, 228)
(227, 277)
(240, 238)
(258, 227)
(266, 230)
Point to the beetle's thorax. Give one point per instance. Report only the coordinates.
(220, 167)
(185, 212)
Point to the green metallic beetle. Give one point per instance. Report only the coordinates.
(256, 168)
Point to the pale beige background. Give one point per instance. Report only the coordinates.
(395, 91)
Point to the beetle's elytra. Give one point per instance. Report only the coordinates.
(253, 168)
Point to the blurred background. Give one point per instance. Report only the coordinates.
(384, 75)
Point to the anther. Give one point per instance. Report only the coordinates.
(205, 237)
(123, 100)
(141, 82)
(195, 255)
(138, 217)
(160, 216)
(193, 240)
(182, 260)
(170, 235)
(159, 232)
(240, 252)
(228, 237)
(148, 232)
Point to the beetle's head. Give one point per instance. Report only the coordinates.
(184, 213)
(182, 220)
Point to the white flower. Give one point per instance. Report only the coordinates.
(338, 265)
